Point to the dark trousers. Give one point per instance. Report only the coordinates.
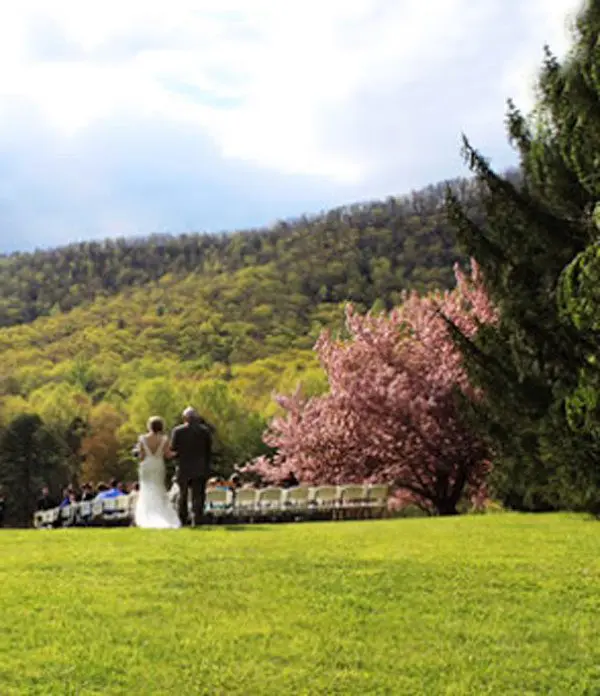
(197, 486)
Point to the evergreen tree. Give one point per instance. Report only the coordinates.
(30, 457)
(580, 302)
(528, 362)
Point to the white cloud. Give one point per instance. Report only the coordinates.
(344, 98)
(549, 22)
(293, 62)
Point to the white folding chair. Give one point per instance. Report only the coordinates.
(270, 499)
(297, 498)
(377, 498)
(51, 516)
(97, 509)
(217, 501)
(67, 514)
(110, 509)
(326, 499)
(244, 504)
(85, 511)
(353, 499)
(122, 507)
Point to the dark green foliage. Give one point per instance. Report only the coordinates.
(580, 302)
(528, 364)
(30, 457)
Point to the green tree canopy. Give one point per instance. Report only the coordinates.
(529, 362)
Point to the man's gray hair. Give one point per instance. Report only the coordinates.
(190, 413)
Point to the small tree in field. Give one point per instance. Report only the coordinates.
(392, 412)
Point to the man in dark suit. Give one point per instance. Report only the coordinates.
(191, 444)
(46, 502)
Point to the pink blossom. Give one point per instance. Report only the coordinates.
(391, 414)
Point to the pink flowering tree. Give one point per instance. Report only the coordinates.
(392, 413)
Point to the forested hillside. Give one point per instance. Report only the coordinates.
(363, 252)
(198, 303)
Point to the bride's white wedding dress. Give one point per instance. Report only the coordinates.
(153, 509)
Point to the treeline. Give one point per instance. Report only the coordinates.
(364, 253)
(68, 432)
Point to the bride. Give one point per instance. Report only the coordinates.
(153, 509)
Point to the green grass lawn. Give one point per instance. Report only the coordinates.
(504, 604)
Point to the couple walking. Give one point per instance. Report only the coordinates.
(190, 445)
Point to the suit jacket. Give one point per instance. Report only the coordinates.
(192, 444)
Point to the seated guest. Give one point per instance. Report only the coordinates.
(87, 492)
(108, 493)
(68, 497)
(112, 492)
(235, 482)
(215, 484)
(290, 481)
(85, 512)
(45, 502)
(101, 488)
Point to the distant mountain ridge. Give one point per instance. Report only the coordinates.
(365, 253)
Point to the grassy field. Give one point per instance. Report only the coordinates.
(505, 604)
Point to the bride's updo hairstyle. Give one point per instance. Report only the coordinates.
(156, 424)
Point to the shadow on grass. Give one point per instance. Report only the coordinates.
(269, 525)
(230, 528)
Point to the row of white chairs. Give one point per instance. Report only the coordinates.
(299, 499)
(117, 509)
(246, 503)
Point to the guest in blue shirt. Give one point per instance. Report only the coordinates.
(112, 492)
(68, 497)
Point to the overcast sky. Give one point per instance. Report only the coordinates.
(128, 117)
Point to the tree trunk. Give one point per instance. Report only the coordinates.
(445, 507)
(446, 504)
